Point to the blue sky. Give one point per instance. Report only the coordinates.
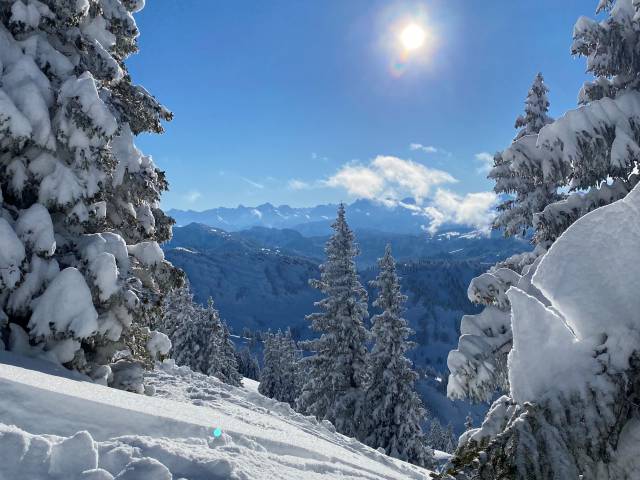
(291, 101)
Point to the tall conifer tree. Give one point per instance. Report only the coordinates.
(395, 410)
(337, 371)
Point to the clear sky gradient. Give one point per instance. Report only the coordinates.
(273, 98)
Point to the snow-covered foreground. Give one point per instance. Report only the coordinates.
(55, 427)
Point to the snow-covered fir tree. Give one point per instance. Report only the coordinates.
(223, 362)
(336, 375)
(178, 307)
(200, 339)
(441, 438)
(248, 365)
(394, 409)
(280, 377)
(186, 340)
(270, 374)
(520, 171)
(536, 110)
(290, 358)
(81, 272)
(593, 151)
(468, 423)
(570, 304)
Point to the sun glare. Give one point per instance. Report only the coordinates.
(412, 37)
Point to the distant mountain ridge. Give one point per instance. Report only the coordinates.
(310, 221)
(447, 245)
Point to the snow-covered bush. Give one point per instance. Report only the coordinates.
(78, 200)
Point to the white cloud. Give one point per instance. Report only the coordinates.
(389, 178)
(359, 181)
(252, 183)
(473, 209)
(192, 196)
(295, 184)
(486, 159)
(428, 149)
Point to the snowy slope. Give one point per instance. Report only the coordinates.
(169, 435)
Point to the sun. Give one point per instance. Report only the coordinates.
(413, 37)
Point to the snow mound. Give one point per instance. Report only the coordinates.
(588, 275)
(594, 303)
(57, 428)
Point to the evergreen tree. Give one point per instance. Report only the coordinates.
(440, 438)
(289, 369)
(178, 307)
(80, 269)
(594, 152)
(468, 423)
(521, 172)
(280, 375)
(248, 365)
(227, 367)
(395, 411)
(187, 343)
(536, 111)
(337, 375)
(270, 375)
(435, 437)
(200, 339)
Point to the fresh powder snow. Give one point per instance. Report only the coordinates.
(56, 426)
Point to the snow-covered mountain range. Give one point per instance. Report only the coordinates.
(401, 217)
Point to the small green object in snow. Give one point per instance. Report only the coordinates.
(217, 432)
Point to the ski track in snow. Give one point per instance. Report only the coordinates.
(261, 438)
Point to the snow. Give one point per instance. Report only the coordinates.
(587, 274)
(11, 120)
(147, 253)
(57, 428)
(567, 362)
(72, 455)
(105, 274)
(250, 384)
(128, 155)
(35, 229)
(97, 243)
(589, 299)
(158, 344)
(84, 90)
(66, 305)
(11, 255)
